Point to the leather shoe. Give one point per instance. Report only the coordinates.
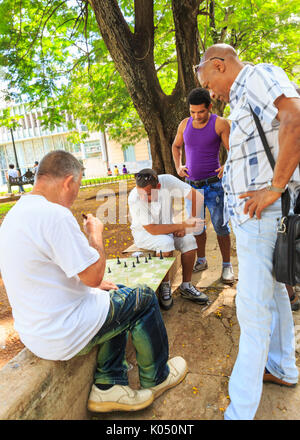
(268, 377)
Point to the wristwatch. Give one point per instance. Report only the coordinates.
(270, 187)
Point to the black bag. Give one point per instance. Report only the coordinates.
(286, 258)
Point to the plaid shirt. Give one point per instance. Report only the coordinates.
(247, 167)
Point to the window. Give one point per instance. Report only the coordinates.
(92, 148)
(129, 154)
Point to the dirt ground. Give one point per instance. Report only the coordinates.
(206, 336)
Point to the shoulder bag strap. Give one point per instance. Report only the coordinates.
(285, 197)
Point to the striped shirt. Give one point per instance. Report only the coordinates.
(247, 167)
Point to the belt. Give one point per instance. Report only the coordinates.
(203, 182)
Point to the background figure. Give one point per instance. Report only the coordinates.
(252, 198)
(202, 134)
(116, 171)
(35, 167)
(12, 172)
(109, 173)
(124, 170)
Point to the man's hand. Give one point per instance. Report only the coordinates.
(108, 285)
(194, 224)
(179, 234)
(92, 225)
(258, 201)
(182, 171)
(220, 171)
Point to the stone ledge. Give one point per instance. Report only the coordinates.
(36, 389)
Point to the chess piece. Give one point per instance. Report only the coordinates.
(149, 258)
(161, 255)
(109, 271)
(118, 260)
(137, 260)
(133, 265)
(146, 261)
(125, 265)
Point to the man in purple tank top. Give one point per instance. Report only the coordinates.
(202, 134)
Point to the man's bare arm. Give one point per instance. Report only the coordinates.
(92, 276)
(223, 130)
(177, 146)
(289, 140)
(288, 157)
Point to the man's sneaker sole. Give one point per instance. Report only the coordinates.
(202, 267)
(165, 306)
(195, 299)
(159, 392)
(115, 406)
(227, 281)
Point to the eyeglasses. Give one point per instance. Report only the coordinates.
(197, 67)
(145, 177)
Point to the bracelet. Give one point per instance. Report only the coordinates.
(275, 189)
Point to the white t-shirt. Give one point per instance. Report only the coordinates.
(42, 249)
(160, 211)
(13, 173)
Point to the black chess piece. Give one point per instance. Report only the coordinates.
(137, 260)
(161, 255)
(133, 265)
(125, 265)
(149, 258)
(146, 261)
(109, 271)
(118, 260)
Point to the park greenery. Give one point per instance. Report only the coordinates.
(125, 66)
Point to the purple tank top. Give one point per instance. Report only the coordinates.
(202, 146)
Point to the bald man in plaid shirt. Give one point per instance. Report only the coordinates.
(252, 198)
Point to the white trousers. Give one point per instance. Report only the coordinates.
(164, 242)
(264, 315)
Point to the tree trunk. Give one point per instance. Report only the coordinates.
(133, 56)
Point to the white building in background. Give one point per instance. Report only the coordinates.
(96, 153)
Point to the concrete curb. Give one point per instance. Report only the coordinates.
(36, 389)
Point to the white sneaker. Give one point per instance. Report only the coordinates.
(227, 276)
(119, 398)
(178, 370)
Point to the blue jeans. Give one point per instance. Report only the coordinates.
(214, 201)
(135, 311)
(264, 315)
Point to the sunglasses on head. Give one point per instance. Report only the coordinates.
(197, 67)
(145, 177)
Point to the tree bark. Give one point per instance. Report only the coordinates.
(132, 53)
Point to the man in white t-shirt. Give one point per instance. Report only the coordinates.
(152, 224)
(60, 303)
(12, 172)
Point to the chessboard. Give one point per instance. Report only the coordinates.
(138, 270)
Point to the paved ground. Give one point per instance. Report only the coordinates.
(208, 339)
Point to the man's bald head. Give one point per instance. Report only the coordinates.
(218, 69)
(219, 50)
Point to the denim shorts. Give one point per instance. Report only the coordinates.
(214, 201)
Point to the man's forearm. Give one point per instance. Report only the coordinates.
(164, 229)
(289, 155)
(97, 243)
(177, 155)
